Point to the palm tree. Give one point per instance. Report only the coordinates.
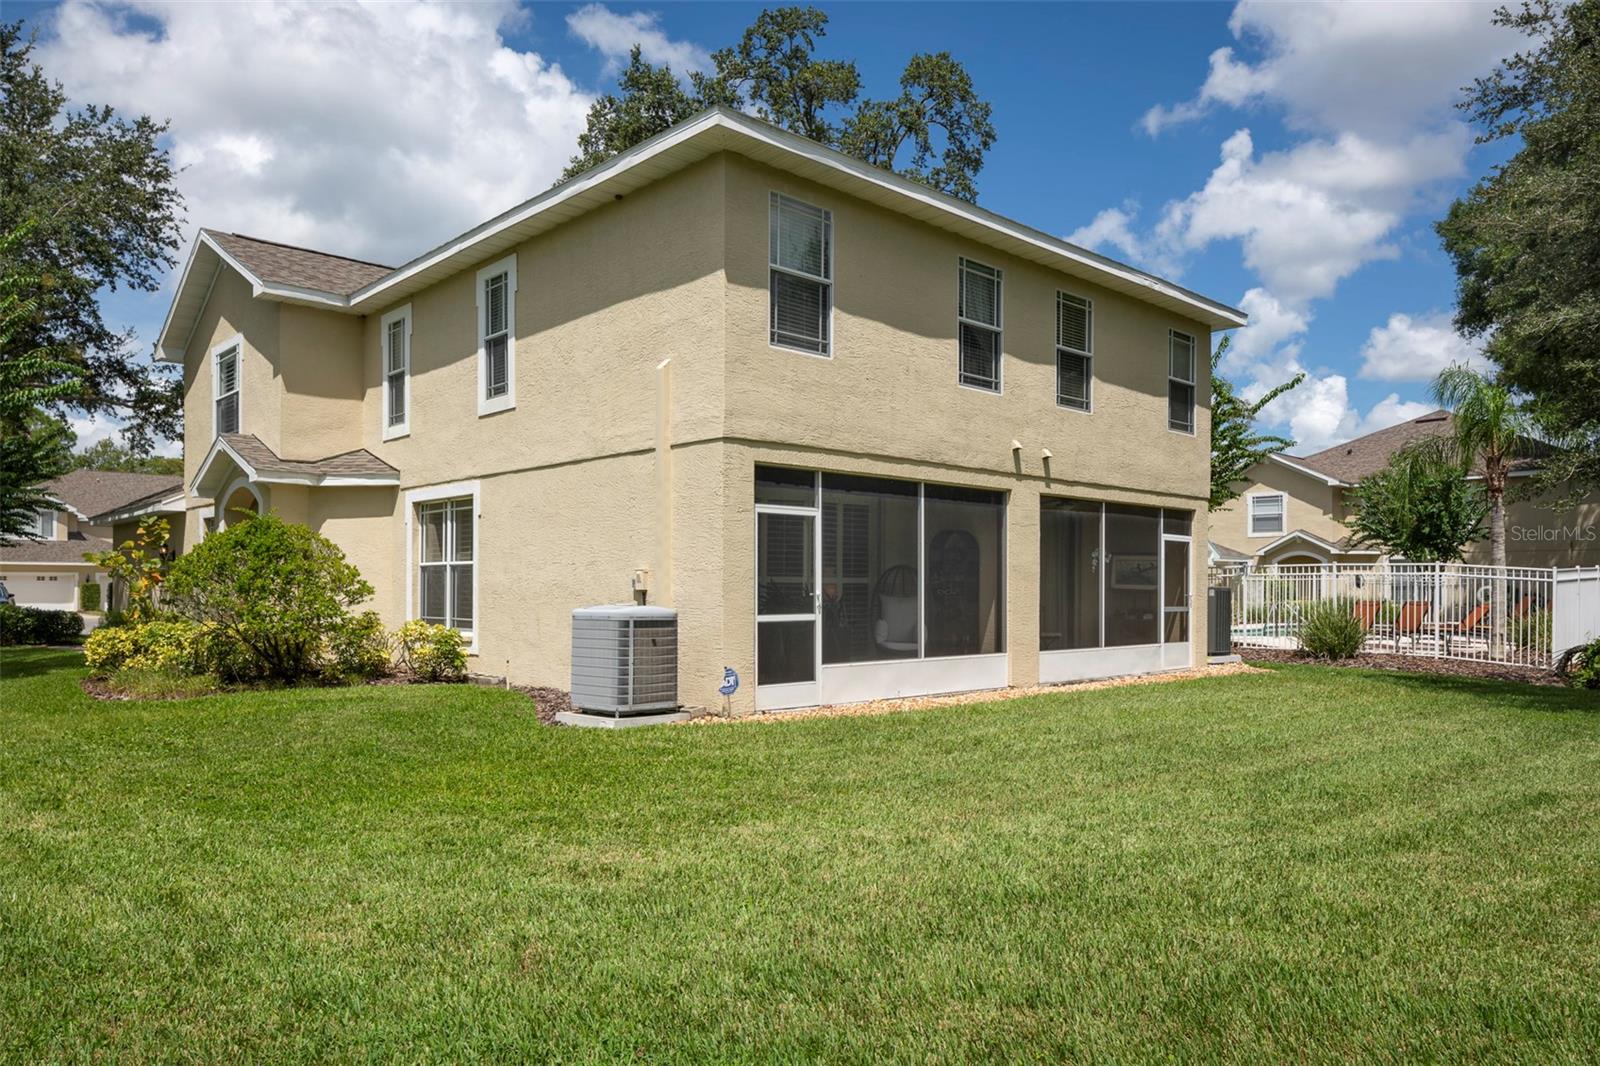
(1489, 428)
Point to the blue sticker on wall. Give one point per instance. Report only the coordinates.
(730, 681)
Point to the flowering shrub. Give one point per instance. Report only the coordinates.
(168, 645)
(433, 652)
(358, 650)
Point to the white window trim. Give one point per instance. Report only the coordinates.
(773, 196)
(403, 427)
(217, 351)
(1087, 353)
(1250, 514)
(999, 326)
(451, 491)
(1193, 383)
(508, 267)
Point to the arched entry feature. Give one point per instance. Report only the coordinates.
(240, 499)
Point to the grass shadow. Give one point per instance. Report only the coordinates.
(18, 661)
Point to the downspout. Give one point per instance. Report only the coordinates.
(662, 579)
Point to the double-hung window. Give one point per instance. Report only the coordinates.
(497, 332)
(1074, 351)
(397, 373)
(978, 323)
(225, 386)
(1180, 381)
(445, 576)
(800, 258)
(1266, 514)
(45, 524)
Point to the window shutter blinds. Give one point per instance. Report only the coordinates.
(397, 346)
(1072, 380)
(495, 305)
(1072, 322)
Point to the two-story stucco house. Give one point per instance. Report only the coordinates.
(865, 438)
(1295, 510)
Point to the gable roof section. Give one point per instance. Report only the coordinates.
(1355, 459)
(260, 463)
(92, 493)
(284, 264)
(716, 130)
(59, 552)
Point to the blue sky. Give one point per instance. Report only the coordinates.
(1289, 159)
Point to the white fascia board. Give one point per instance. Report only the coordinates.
(1326, 479)
(1300, 534)
(172, 504)
(219, 447)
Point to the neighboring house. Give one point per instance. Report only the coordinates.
(98, 510)
(867, 439)
(1297, 509)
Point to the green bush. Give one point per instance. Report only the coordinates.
(358, 650)
(1330, 630)
(275, 591)
(172, 646)
(1531, 630)
(433, 652)
(89, 596)
(1581, 665)
(34, 625)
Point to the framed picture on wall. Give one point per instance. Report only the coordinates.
(1134, 572)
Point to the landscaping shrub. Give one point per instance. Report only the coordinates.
(1580, 666)
(359, 650)
(1330, 630)
(276, 591)
(1531, 630)
(433, 652)
(33, 625)
(89, 597)
(174, 646)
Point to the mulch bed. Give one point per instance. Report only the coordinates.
(1408, 664)
(549, 701)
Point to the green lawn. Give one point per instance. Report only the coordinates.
(1309, 864)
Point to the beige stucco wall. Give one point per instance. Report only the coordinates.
(891, 386)
(1311, 505)
(319, 380)
(1540, 532)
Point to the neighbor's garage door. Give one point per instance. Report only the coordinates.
(54, 591)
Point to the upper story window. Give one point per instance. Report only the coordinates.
(225, 381)
(45, 524)
(497, 332)
(800, 257)
(1266, 514)
(396, 334)
(1074, 351)
(978, 323)
(1180, 381)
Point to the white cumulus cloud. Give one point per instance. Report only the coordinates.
(1410, 348)
(613, 35)
(373, 130)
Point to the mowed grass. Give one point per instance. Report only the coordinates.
(1310, 864)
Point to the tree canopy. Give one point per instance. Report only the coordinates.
(1420, 507)
(109, 454)
(87, 204)
(1236, 444)
(1526, 239)
(936, 130)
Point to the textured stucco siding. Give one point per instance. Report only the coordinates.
(1310, 504)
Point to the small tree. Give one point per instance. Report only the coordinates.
(1236, 445)
(276, 590)
(138, 563)
(1420, 507)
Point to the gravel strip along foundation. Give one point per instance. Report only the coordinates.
(995, 695)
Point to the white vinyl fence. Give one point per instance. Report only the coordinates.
(1516, 615)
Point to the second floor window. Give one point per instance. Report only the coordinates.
(397, 372)
(800, 262)
(226, 383)
(497, 351)
(1266, 514)
(1180, 382)
(1074, 351)
(978, 324)
(45, 524)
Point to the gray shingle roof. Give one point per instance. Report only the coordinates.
(1359, 458)
(52, 551)
(285, 264)
(95, 492)
(265, 461)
